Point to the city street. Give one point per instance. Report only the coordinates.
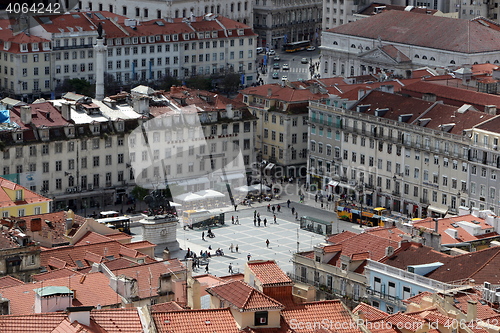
(297, 71)
(285, 237)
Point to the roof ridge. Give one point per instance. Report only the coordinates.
(486, 263)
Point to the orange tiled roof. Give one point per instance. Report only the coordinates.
(40, 323)
(9, 281)
(417, 298)
(369, 312)
(310, 312)
(198, 321)
(243, 297)
(55, 274)
(90, 290)
(117, 320)
(148, 275)
(269, 273)
(393, 233)
(166, 307)
(29, 196)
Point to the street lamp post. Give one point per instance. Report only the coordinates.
(360, 195)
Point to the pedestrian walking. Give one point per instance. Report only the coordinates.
(274, 217)
(279, 208)
(258, 222)
(268, 207)
(231, 247)
(296, 216)
(258, 215)
(265, 222)
(235, 207)
(203, 235)
(254, 222)
(274, 208)
(254, 213)
(293, 210)
(288, 203)
(316, 198)
(248, 257)
(230, 268)
(267, 242)
(236, 248)
(237, 220)
(232, 219)
(206, 268)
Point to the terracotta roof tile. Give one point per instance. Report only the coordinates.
(417, 298)
(120, 263)
(243, 297)
(451, 95)
(90, 290)
(454, 34)
(360, 256)
(148, 275)
(311, 312)
(92, 257)
(332, 248)
(9, 281)
(55, 274)
(29, 196)
(199, 321)
(40, 323)
(337, 238)
(139, 245)
(56, 263)
(369, 312)
(117, 320)
(389, 233)
(285, 94)
(166, 307)
(269, 273)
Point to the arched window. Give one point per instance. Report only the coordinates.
(335, 42)
(452, 62)
(496, 61)
(176, 13)
(334, 69)
(232, 7)
(326, 67)
(433, 59)
(424, 57)
(353, 46)
(367, 48)
(487, 61)
(475, 63)
(417, 56)
(352, 70)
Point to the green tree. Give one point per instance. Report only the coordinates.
(199, 82)
(79, 86)
(139, 192)
(231, 82)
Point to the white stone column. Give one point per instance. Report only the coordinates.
(100, 51)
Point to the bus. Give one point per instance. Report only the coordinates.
(121, 223)
(378, 216)
(297, 46)
(109, 213)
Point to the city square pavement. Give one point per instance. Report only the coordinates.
(285, 237)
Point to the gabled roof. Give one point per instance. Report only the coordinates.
(311, 312)
(368, 312)
(9, 281)
(285, 94)
(415, 254)
(269, 273)
(55, 274)
(89, 290)
(243, 297)
(28, 198)
(393, 233)
(403, 27)
(42, 115)
(451, 95)
(148, 275)
(198, 321)
(83, 255)
(40, 322)
(117, 320)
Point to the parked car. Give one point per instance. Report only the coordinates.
(271, 52)
(311, 48)
(286, 67)
(276, 65)
(259, 50)
(304, 60)
(275, 75)
(277, 58)
(284, 78)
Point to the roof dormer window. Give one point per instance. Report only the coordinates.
(207, 34)
(175, 37)
(24, 47)
(143, 39)
(241, 32)
(151, 39)
(34, 47)
(166, 38)
(185, 36)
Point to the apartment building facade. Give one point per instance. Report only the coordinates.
(484, 162)
(413, 163)
(240, 11)
(61, 47)
(372, 45)
(279, 21)
(282, 127)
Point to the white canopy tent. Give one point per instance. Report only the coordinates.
(210, 194)
(188, 197)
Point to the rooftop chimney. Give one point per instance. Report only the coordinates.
(65, 111)
(81, 314)
(269, 92)
(471, 310)
(229, 111)
(389, 251)
(26, 114)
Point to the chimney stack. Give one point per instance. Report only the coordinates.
(26, 114)
(81, 314)
(471, 310)
(229, 111)
(389, 251)
(65, 111)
